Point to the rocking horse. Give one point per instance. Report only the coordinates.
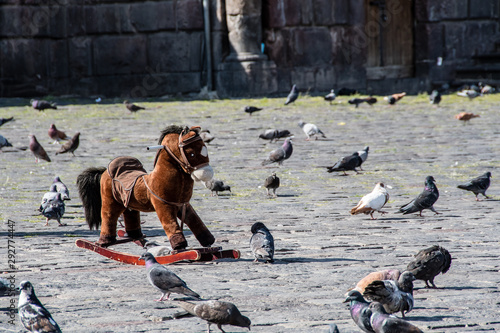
(124, 187)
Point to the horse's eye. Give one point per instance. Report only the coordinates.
(192, 155)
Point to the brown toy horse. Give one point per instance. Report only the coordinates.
(126, 188)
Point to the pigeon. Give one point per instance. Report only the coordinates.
(356, 101)
(470, 93)
(56, 134)
(280, 154)
(486, 89)
(396, 296)
(466, 116)
(61, 188)
(262, 243)
(332, 328)
(156, 249)
(428, 263)
(4, 142)
(33, 315)
(37, 150)
(372, 202)
(217, 186)
(347, 163)
(5, 120)
(52, 206)
(132, 107)
(293, 95)
(435, 97)
(331, 96)
(392, 99)
(347, 91)
(310, 130)
(360, 310)
(478, 185)
(7, 288)
(216, 312)
(164, 279)
(272, 183)
(386, 274)
(41, 105)
(424, 200)
(206, 136)
(251, 109)
(274, 134)
(364, 155)
(71, 145)
(382, 322)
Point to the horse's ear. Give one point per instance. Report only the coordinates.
(195, 129)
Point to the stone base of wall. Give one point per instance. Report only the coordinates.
(247, 78)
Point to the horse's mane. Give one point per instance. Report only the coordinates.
(169, 130)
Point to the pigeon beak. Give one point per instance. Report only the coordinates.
(389, 187)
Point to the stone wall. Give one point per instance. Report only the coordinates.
(131, 48)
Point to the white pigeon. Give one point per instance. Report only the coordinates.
(310, 130)
(471, 93)
(372, 202)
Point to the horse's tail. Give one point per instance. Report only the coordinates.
(89, 188)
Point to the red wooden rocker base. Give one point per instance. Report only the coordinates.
(196, 254)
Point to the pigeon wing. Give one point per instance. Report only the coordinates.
(37, 319)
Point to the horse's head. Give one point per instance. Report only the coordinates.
(191, 152)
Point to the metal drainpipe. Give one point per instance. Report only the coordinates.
(208, 44)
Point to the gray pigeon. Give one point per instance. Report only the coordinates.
(252, 109)
(4, 142)
(37, 150)
(262, 243)
(360, 310)
(56, 134)
(424, 200)
(470, 93)
(216, 186)
(428, 263)
(61, 188)
(52, 206)
(274, 134)
(280, 154)
(216, 312)
(435, 97)
(5, 120)
(310, 130)
(132, 107)
(396, 296)
(332, 328)
(478, 185)
(331, 96)
(272, 183)
(164, 279)
(71, 145)
(41, 105)
(363, 154)
(293, 95)
(33, 315)
(7, 288)
(382, 322)
(347, 163)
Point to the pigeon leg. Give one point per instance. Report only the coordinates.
(432, 208)
(487, 197)
(220, 327)
(162, 297)
(274, 191)
(47, 224)
(61, 224)
(208, 330)
(433, 285)
(371, 214)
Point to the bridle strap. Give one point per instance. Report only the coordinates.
(185, 162)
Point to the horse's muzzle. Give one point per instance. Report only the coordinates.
(203, 174)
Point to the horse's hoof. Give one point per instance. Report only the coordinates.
(106, 241)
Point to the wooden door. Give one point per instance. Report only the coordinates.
(389, 29)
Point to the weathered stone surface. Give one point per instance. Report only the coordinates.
(292, 12)
(80, 56)
(76, 21)
(187, 48)
(274, 14)
(189, 14)
(108, 19)
(250, 78)
(58, 59)
(453, 9)
(429, 43)
(323, 10)
(119, 55)
(152, 16)
(484, 9)
(311, 46)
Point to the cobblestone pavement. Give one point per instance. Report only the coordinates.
(321, 250)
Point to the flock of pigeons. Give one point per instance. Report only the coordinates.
(372, 301)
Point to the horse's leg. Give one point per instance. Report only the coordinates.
(132, 221)
(110, 212)
(199, 229)
(168, 218)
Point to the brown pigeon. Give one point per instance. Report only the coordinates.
(37, 150)
(386, 274)
(272, 183)
(41, 105)
(428, 263)
(392, 99)
(71, 145)
(56, 134)
(372, 202)
(466, 116)
(132, 107)
(382, 322)
(216, 312)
